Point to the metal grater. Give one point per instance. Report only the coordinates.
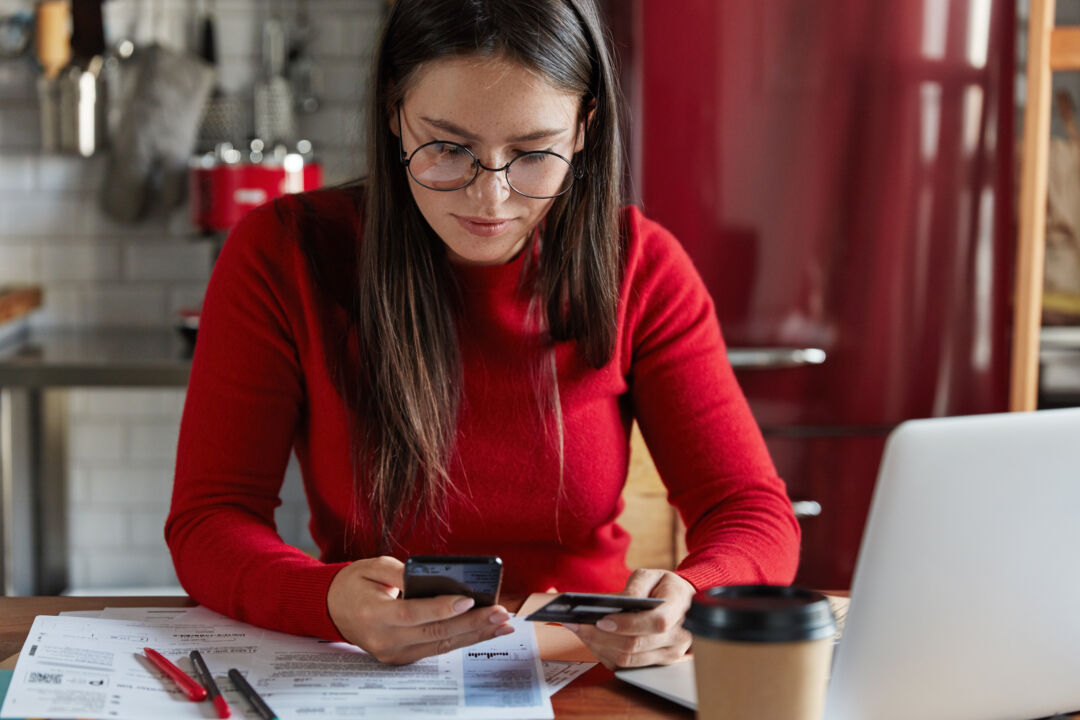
(275, 121)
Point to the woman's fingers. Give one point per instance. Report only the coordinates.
(614, 643)
(616, 650)
(403, 634)
(661, 619)
(642, 581)
(660, 656)
(363, 604)
(677, 592)
(418, 611)
(650, 637)
(423, 625)
(449, 641)
(437, 629)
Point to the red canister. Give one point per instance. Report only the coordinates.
(222, 192)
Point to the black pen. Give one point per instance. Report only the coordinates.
(251, 696)
(207, 679)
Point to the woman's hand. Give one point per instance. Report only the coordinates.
(649, 637)
(364, 605)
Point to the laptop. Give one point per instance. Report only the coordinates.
(966, 596)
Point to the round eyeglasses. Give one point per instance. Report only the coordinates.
(446, 166)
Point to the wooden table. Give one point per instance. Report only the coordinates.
(596, 694)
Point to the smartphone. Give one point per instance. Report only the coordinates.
(587, 608)
(477, 576)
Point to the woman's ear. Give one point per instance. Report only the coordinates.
(393, 119)
(586, 123)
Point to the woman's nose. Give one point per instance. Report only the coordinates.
(489, 186)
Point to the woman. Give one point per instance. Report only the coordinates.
(456, 347)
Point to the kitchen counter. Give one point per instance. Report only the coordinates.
(88, 358)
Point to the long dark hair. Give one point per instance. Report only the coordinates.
(410, 375)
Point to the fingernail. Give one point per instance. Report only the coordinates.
(504, 630)
(463, 604)
(606, 625)
(572, 627)
(498, 617)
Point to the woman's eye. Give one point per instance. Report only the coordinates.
(451, 150)
(532, 158)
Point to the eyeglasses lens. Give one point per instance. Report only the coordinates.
(540, 175)
(442, 166)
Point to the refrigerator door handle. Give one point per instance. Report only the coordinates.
(767, 358)
(806, 508)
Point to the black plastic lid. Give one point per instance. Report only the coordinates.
(760, 613)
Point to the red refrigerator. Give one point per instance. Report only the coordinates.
(841, 171)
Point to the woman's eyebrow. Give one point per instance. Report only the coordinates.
(461, 132)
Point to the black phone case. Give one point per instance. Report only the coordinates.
(475, 576)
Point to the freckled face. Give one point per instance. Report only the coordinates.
(498, 110)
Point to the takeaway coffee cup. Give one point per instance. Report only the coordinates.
(761, 652)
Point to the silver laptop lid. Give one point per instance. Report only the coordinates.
(966, 597)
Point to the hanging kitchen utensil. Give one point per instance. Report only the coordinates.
(157, 132)
(122, 59)
(52, 35)
(72, 92)
(87, 31)
(83, 116)
(83, 103)
(302, 71)
(274, 119)
(223, 117)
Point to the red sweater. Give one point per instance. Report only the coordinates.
(260, 388)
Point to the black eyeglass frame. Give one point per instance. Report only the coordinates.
(406, 158)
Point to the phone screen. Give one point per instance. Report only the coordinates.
(478, 577)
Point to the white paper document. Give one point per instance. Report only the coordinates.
(560, 673)
(500, 678)
(80, 667)
(76, 667)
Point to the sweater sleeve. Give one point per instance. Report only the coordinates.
(243, 404)
(697, 423)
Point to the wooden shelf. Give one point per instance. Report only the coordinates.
(16, 301)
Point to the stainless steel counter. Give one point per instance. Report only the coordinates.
(84, 358)
(35, 371)
(161, 358)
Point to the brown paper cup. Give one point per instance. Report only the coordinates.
(761, 652)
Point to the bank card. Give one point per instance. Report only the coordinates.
(588, 608)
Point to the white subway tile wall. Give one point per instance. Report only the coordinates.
(70, 261)
(96, 271)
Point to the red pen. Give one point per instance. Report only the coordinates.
(194, 691)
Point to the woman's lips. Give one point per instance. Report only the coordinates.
(484, 227)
